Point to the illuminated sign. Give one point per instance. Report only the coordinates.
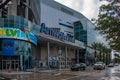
(56, 34)
(18, 34)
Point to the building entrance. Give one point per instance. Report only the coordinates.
(12, 62)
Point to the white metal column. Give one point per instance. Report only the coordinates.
(48, 53)
(66, 52)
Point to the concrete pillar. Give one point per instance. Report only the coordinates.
(12, 8)
(74, 54)
(21, 62)
(26, 9)
(66, 52)
(77, 55)
(60, 56)
(48, 53)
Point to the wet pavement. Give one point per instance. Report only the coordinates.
(89, 74)
(4, 78)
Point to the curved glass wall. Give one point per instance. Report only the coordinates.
(14, 22)
(20, 46)
(16, 40)
(80, 33)
(19, 22)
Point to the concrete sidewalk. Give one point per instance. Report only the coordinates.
(51, 74)
(29, 71)
(14, 72)
(45, 70)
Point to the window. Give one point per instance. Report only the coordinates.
(21, 11)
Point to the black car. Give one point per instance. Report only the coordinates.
(78, 66)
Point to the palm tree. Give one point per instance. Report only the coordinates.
(97, 47)
(94, 46)
(103, 50)
(100, 48)
(108, 56)
(117, 57)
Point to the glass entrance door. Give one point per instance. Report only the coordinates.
(12, 62)
(5, 64)
(8, 64)
(15, 64)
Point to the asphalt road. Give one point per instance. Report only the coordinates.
(112, 73)
(4, 78)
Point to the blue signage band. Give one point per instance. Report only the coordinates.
(58, 35)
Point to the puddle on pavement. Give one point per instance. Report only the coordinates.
(112, 75)
(111, 78)
(115, 70)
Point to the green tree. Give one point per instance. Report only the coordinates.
(104, 52)
(98, 47)
(107, 55)
(94, 46)
(117, 58)
(108, 23)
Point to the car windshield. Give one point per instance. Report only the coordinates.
(99, 62)
(82, 64)
(111, 63)
(75, 65)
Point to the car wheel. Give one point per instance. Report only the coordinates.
(78, 69)
(83, 68)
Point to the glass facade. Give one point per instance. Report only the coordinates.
(14, 22)
(15, 52)
(80, 33)
(22, 48)
(83, 31)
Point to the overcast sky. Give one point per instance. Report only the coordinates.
(89, 8)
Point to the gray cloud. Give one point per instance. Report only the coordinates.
(89, 8)
(74, 4)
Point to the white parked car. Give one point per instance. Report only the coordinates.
(99, 65)
(111, 65)
(116, 64)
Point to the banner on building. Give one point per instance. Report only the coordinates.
(8, 47)
(14, 33)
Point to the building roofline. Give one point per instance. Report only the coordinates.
(58, 6)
